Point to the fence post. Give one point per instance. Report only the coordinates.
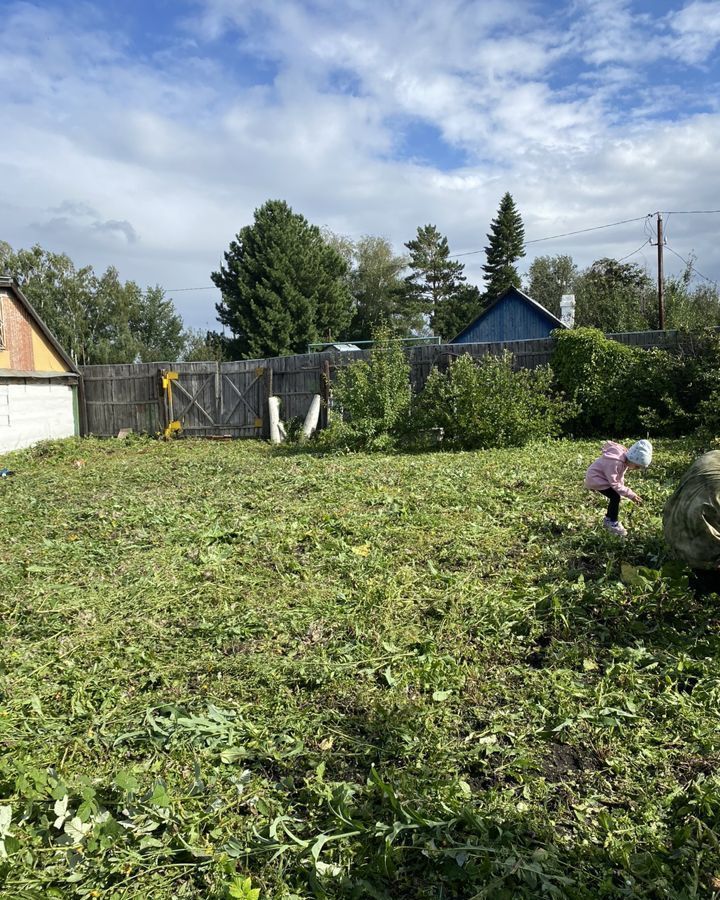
(267, 393)
(167, 417)
(82, 408)
(325, 393)
(218, 393)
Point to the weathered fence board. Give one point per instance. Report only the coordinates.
(230, 399)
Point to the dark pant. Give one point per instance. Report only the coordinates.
(613, 505)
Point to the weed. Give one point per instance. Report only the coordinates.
(228, 673)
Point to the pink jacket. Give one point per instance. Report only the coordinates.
(608, 471)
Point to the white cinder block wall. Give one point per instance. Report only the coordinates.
(34, 409)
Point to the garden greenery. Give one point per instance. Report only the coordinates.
(487, 404)
(627, 390)
(593, 386)
(371, 399)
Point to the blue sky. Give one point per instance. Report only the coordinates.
(144, 134)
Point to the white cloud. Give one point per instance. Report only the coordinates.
(152, 161)
(697, 29)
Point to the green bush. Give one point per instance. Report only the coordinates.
(657, 389)
(627, 390)
(487, 404)
(371, 400)
(595, 373)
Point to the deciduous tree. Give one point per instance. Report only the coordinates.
(378, 290)
(615, 296)
(549, 278)
(98, 319)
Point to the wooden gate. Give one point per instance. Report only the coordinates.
(227, 399)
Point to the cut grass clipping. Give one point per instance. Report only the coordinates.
(228, 673)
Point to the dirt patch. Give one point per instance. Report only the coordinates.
(566, 763)
(690, 768)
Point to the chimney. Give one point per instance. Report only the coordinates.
(567, 310)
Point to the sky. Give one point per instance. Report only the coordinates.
(144, 134)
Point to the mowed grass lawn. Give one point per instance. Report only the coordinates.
(421, 676)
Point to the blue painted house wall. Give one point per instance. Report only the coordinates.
(513, 316)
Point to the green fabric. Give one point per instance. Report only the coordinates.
(691, 519)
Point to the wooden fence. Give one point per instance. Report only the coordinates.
(230, 399)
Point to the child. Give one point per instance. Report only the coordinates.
(606, 476)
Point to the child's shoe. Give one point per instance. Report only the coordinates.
(614, 527)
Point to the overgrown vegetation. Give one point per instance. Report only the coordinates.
(593, 386)
(487, 404)
(353, 676)
(371, 399)
(617, 388)
(473, 404)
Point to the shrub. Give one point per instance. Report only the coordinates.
(371, 400)
(487, 404)
(657, 389)
(594, 372)
(626, 390)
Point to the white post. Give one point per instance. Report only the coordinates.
(567, 310)
(312, 418)
(274, 411)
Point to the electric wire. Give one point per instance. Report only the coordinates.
(180, 290)
(691, 265)
(554, 237)
(645, 219)
(644, 244)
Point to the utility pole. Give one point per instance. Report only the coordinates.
(661, 278)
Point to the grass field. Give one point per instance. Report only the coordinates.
(349, 676)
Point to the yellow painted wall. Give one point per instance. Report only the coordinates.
(45, 358)
(30, 346)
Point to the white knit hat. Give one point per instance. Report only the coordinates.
(641, 454)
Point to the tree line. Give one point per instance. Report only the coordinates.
(100, 319)
(285, 283)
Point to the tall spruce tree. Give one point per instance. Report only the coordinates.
(507, 240)
(434, 278)
(282, 285)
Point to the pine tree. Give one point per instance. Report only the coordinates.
(282, 285)
(458, 311)
(507, 240)
(435, 278)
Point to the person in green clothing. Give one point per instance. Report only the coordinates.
(691, 518)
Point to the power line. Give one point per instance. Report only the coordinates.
(692, 267)
(553, 237)
(644, 243)
(691, 212)
(585, 230)
(179, 290)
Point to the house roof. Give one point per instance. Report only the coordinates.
(7, 282)
(523, 296)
